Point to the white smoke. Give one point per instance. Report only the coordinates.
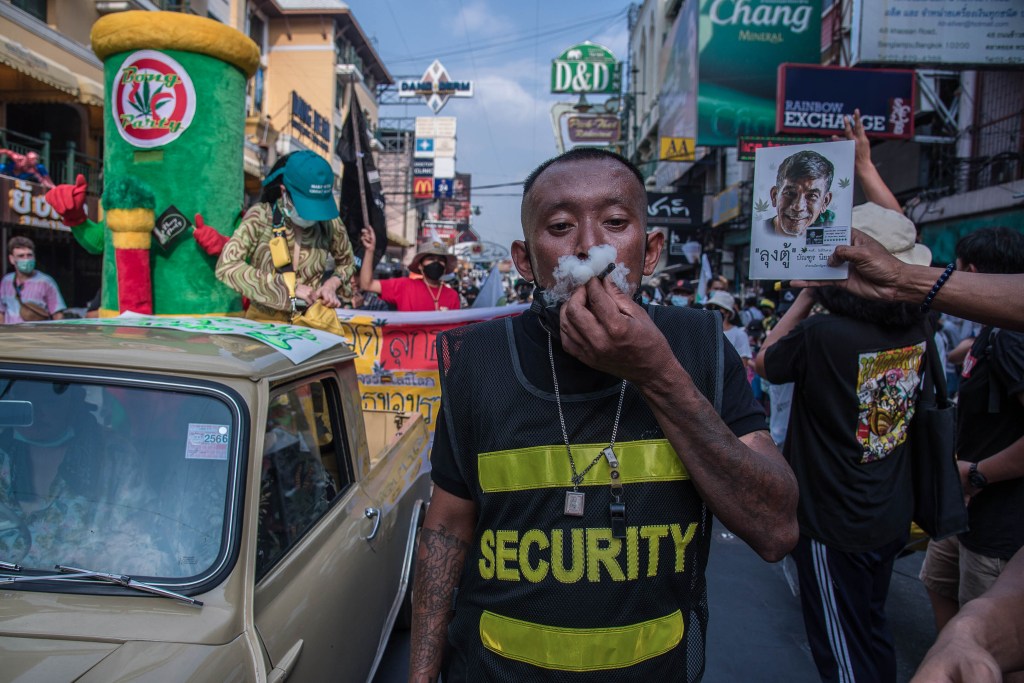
(572, 272)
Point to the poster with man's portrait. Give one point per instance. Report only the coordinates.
(802, 208)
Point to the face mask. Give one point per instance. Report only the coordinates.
(433, 271)
(549, 313)
(288, 209)
(678, 300)
(25, 265)
(645, 299)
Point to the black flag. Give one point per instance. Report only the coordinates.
(362, 199)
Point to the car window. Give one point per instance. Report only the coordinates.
(125, 479)
(304, 469)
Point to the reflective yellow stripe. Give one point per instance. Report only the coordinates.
(548, 466)
(580, 649)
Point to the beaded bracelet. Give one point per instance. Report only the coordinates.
(937, 286)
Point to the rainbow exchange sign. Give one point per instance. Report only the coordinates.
(816, 99)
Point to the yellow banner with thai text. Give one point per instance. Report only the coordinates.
(397, 360)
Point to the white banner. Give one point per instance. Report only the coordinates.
(465, 315)
(982, 32)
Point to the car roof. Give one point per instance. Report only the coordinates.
(174, 351)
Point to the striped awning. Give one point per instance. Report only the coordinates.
(90, 92)
(31, 63)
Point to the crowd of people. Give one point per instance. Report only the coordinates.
(850, 356)
(804, 396)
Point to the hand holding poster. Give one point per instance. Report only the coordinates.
(803, 203)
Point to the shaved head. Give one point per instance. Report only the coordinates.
(577, 154)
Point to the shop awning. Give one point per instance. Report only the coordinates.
(90, 92)
(252, 164)
(31, 63)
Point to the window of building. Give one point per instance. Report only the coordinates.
(37, 8)
(304, 467)
(254, 90)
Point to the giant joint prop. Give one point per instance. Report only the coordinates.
(174, 135)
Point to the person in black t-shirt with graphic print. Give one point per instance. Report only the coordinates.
(990, 444)
(857, 372)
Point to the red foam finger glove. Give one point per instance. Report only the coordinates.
(69, 201)
(209, 239)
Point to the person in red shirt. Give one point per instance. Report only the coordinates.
(432, 261)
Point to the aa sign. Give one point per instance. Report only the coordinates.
(677, 149)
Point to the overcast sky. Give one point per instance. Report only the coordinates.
(506, 49)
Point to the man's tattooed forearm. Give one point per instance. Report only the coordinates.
(439, 561)
(438, 567)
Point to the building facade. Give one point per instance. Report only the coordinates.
(963, 169)
(316, 62)
(51, 103)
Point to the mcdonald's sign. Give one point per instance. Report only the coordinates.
(422, 187)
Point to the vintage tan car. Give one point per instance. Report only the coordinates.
(177, 505)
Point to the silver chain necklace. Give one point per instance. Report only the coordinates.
(574, 500)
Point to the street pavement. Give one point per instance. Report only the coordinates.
(756, 631)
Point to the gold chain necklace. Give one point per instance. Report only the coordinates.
(430, 291)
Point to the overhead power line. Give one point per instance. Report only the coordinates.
(515, 40)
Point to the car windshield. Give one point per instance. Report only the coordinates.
(126, 479)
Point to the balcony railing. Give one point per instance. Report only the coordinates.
(63, 165)
(23, 144)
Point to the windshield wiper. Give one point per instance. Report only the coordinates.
(74, 573)
(10, 566)
(128, 582)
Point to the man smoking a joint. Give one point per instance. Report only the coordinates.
(579, 455)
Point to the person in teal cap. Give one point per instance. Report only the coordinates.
(297, 204)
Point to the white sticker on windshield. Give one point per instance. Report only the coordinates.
(207, 442)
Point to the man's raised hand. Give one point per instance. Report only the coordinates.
(369, 240)
(874, 272)
(604, 328)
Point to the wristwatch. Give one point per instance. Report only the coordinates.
(976, 478)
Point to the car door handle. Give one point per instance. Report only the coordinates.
(283, 670)
(374, 514)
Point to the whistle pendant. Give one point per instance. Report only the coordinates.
(618, 519)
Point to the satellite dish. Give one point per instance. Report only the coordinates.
(481, 252)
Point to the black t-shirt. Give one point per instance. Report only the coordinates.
(991, 418)
(856, 388)
(740, 411)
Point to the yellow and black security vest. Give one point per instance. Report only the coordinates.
(549, 597)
